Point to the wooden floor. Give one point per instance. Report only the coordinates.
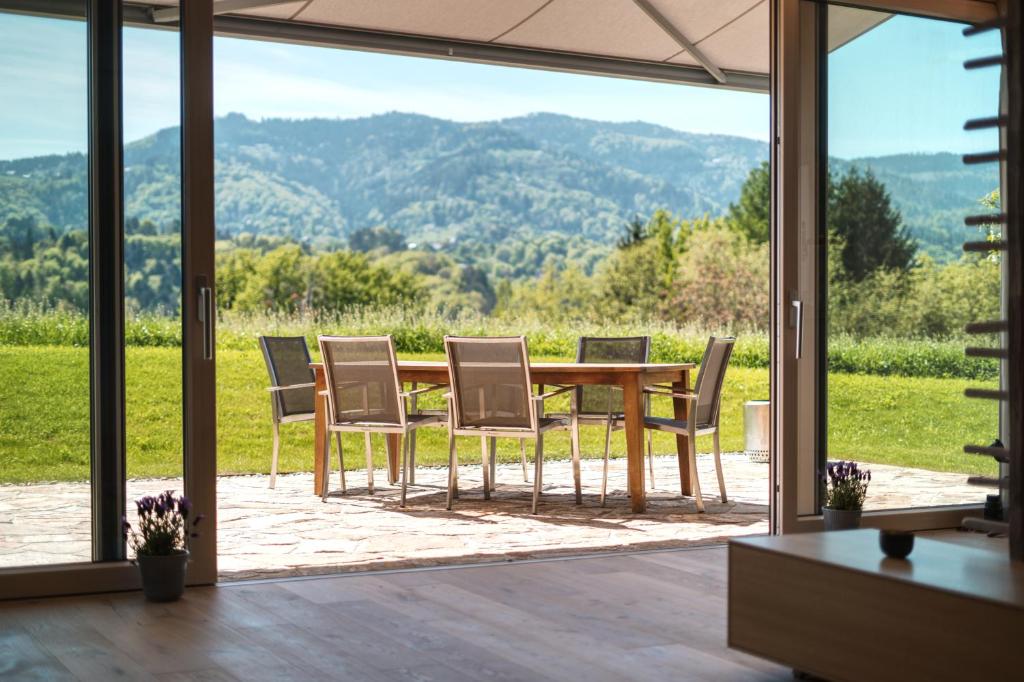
(651, 616)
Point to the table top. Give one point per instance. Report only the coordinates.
(623, 367)
(972, 572)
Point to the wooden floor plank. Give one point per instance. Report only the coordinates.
(648, 616)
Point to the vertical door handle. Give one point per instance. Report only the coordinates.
(798, 322)
(206, 314)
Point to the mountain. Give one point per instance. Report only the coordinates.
(933, 192)
(471, 187)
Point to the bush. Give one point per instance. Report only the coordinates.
(424, 333)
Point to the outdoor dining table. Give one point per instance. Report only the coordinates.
(632, 377)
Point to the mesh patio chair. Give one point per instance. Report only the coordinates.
(704, 404)
(601, 405)
(364, 395)
(291, 386)
(492, 396)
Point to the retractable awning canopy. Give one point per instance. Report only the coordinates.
(713, 42)
(721, 43)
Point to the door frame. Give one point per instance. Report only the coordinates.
(110, 571)
(796, 134)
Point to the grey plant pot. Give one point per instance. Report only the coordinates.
(841, 519)
(163, 577)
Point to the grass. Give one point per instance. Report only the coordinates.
(44, 418)
(422, 332)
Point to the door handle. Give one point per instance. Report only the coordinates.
(206, 313)
(798, 322)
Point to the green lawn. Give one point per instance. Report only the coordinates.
(44, 420)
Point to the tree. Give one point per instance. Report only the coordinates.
(861, 214)
(636, 232)
(751, 215)
(381, 236)
(278, 282)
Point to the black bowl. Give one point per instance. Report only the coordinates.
(896, 544)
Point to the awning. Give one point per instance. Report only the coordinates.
(719, 43)
(722, 43)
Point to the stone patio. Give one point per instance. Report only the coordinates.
(289, 531)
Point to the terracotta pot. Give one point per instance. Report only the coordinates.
(841, 519)
(163, 577)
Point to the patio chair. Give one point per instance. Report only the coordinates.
(291, 386)
(492, 396)
(704, 404)
(603, 405)
(364, 395)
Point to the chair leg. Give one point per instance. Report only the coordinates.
(369, 461)
(522, 459)
(540, 472)
(485, 465)
(538, 467)
(412, 457)
(607, 450)
(406, 446)
(453, 469)
(718, 468)
(273, 458)
(494, 463)
(341, 463)
(413, 406)
(327, 467)
(650, 455)
(574, 444)
(697, 497)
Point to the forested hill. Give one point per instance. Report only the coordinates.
(542, 177)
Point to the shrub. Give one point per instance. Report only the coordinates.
(423, 332)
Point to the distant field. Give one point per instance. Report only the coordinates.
(44, 427)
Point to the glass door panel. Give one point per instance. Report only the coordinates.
(896, 288)
(152, 262)
(45, 508)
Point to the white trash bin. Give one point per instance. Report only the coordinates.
(757, 429)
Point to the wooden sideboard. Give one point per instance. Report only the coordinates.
(832, 605)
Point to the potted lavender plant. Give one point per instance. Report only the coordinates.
(846, 487)
(161, 543)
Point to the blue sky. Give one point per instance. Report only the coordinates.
(907, 66)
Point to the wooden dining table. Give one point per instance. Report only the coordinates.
(632, 377)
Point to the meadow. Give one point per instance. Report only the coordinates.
(917, 421)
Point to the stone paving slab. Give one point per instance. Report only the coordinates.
(289, 531)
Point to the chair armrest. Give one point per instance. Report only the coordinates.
(552, 394)
(658, 390)
(275, 389)
(426, 389)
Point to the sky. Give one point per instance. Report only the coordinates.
(905, 65)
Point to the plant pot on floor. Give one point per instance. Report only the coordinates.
(163, 577)
(841, 519)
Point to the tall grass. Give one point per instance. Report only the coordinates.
(423, 332)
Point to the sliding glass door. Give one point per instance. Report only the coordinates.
(106, 297)
(45, 464)
(874, 286)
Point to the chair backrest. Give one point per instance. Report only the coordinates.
(490, 381)
(287, 359)
(593, 400)
(362, 380)
(709, 379)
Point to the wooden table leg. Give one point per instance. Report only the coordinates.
(681, 409)
(394, 457)
(320, 431)
(633, 398)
